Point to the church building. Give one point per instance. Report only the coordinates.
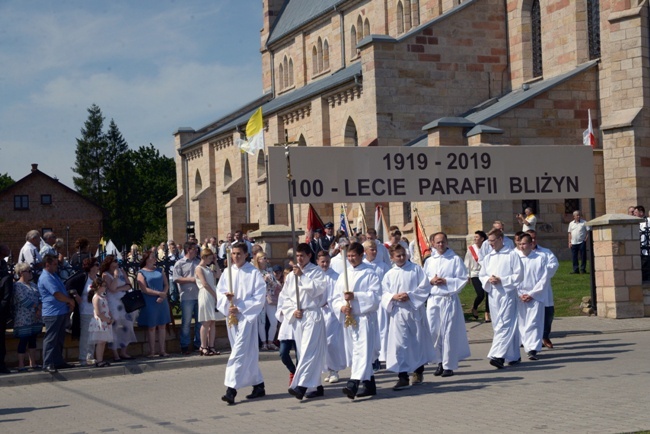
(432, 73)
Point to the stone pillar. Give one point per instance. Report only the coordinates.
(276, 240)
(619, 293)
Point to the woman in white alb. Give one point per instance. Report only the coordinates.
(205, 280)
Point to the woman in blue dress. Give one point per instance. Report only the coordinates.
(155, 314)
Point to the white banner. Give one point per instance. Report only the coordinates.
(399, 174)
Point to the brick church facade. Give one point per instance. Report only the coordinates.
(432, 73)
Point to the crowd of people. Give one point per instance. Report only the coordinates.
(339, 301)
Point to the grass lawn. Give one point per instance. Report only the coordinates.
(568, 290)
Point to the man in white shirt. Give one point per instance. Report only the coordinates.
(30, 254)
(644, 232)
(578, 236)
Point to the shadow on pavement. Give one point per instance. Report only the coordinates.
(16, 410)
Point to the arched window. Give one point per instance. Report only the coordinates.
(350, 137)
(227, 173)
(415, 12)
(536, 38)
(361, 34)
(353, 42)
(314, 60)
(261, 164)
(198, 184)
(593, 26)
(290, 72)
(281, 76)
(319, 56)
(302, 141)
(285, 78)
(366, 28)
(326, 55)
(400, 18)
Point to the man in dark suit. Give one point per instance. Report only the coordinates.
(327, 239)
(315, 244)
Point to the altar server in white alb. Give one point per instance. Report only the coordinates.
(306, 322)
(501, 274)
(381, 268)
(552, 266)
(409, 342)
(336, 358)
(245, 302)
(360, 298)
(446, 275)
(532, 293)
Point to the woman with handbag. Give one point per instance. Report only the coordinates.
(118, 284)
(28, 323)
(155, 314)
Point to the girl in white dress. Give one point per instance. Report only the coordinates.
(100, 330)
(205, 280)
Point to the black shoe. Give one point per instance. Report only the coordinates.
(369, 388)
(258, 392)
(515, 362)
(298, 392)
(497, 362)
(447, 373)
(376, 365)
(51, 369)
(4, 370)
(574, 272)
(584, 272)
(402, 383)
(229, 397)
(350, 389)
(320, 391)
(532, 355)
(439, 370)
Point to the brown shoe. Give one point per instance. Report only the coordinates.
(547, 343)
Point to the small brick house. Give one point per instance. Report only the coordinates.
(41, 202)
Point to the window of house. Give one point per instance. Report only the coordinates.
(46, 199)
(529, 203)
(21, 201)
(571, 205)
(400, 18)
(406, 209)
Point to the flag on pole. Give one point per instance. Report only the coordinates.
(422, 249)
(313, 222)
(588, 138)
(344, 223)
(380, 224)
(254, 134)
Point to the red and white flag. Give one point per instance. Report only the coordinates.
(380, 225)
(588, 138)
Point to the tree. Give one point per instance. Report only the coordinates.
(90, 155)
(139, 186)
(6, 181)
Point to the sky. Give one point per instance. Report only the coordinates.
(151, 66)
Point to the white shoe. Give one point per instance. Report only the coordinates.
(326, 379)
(334, 378)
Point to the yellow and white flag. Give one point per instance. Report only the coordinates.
(254, 134)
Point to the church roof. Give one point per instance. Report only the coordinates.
(296, 13)
(276, 104)
(495, 107)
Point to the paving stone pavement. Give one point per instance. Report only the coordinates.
(595, 380)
